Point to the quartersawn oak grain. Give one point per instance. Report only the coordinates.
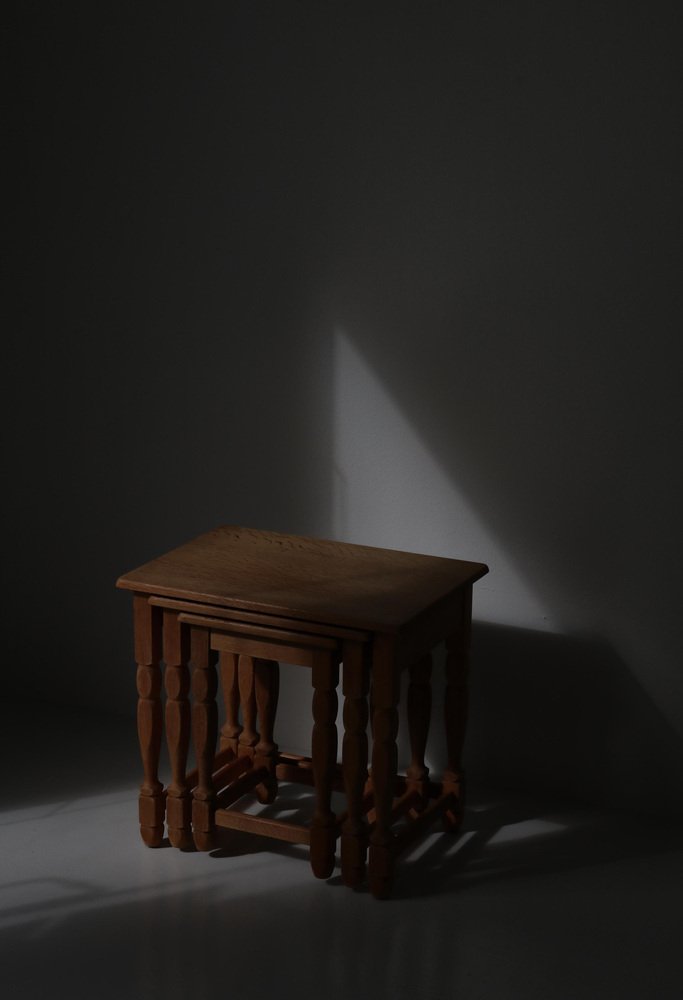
(312, 579)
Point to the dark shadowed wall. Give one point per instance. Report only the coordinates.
(406, 274)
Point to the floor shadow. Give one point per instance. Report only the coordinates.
(507, 837)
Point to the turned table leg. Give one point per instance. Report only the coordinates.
(267, 686)
(231, 728)
(455, 711)
(355, 762)
(177, 678)
(386, 690)
(249, 736)
(147, 622)
(204, 730)
(419, 706)
(324, 749)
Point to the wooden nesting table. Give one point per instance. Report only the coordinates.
(236, 602)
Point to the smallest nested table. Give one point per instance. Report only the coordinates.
(242, 601)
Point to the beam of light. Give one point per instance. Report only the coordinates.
(389, 490)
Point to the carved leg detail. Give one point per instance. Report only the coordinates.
(384, 764)
(455, 711)
(354, 838)
(232, 728)
(323, 828)
(204, 730)
(249, 736)
(177, 677)
(147, 621)
(419, 710)
(267, 685)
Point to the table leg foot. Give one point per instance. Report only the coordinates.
(184, 842)
(203, 830)
(266, 791)
(353, 855)
(454, 782)
(203, 841)
(179, 820)
(151, 810)
(381, 871)
(323, 842)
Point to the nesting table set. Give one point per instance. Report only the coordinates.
(234, 603)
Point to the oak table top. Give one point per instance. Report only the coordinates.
(327, 582)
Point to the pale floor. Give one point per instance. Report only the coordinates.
(534, 900)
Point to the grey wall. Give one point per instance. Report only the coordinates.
(408, 279)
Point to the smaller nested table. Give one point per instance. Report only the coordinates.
(242, 601)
